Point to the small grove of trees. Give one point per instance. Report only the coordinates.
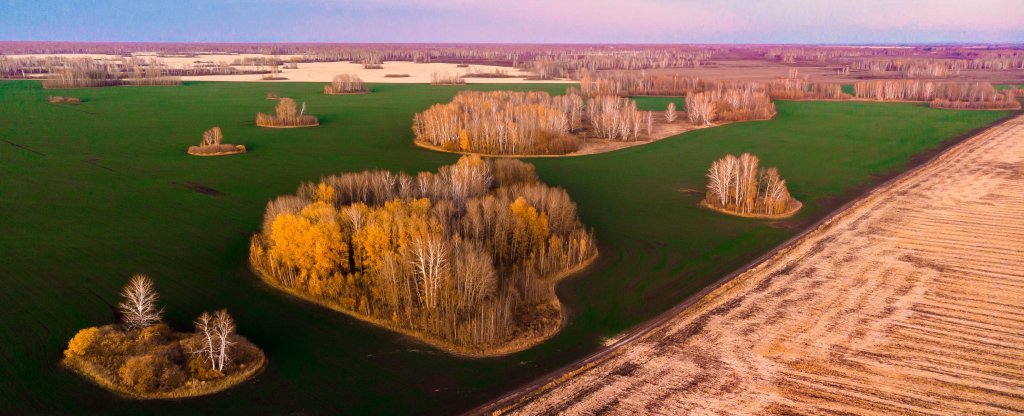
(508, 122)
(446, 78)
(502, 122)
(144, 357)
(287, 115)
(738, 185)
(211, 144)
(57, 99)
(977, 95)
(345, 84)
(466, 258)
(705, 108)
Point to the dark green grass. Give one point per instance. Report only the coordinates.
(100, 197)
(659, 103)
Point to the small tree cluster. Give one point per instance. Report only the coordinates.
(215, 334)
(145, 358)
(446, 78)
(465, 256)
(708, 107)
(614, 117)
(211, 144)
(287, 115)
(345, 84)
(736, 184)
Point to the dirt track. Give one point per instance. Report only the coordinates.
(908, 302)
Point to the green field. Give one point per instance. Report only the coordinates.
(91, 194)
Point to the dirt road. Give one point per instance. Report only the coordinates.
(911, 301)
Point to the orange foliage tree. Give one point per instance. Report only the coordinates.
(464, 257)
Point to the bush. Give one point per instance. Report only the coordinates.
(81, 342)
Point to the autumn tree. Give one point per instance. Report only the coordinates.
(462, 256)
(138, 306)
(287, 114)
(345, 84)
(211, 145)
(212, 137)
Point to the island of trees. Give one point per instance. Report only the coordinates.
(465, 259)
(346, 84)
(211, 145)
(536, 123)
(287, 115)
(143, 357)
(736, 185)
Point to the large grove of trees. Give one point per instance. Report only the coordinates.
(502, 122)
(346, 84)
(287, 115)
(509, 122)
(466, 258)
(738, 185)
(143, 357)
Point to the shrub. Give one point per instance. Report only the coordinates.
(57, 99)
(81, 342)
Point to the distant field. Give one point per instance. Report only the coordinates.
(93, 193)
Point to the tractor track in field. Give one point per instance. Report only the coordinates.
(905, 301)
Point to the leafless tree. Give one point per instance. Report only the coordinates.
(670, 112)
(139, 309)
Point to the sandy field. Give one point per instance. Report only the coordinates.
(325, 71)
(907, 302)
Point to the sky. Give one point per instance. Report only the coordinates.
(517, 21)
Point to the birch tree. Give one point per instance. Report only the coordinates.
(138, 307)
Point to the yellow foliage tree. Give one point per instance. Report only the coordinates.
(310, 241)
(79, 345)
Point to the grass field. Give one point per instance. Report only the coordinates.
(91, 194)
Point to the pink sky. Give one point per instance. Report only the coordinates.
(577, 21)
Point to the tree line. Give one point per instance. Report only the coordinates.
(287, 114)
(974, 95)
(84, 72)
(467, 257)
(738, 185)
(644, 84)
(143, 357)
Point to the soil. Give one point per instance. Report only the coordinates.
(906, 302)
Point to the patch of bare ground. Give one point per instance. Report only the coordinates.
(907, 302)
